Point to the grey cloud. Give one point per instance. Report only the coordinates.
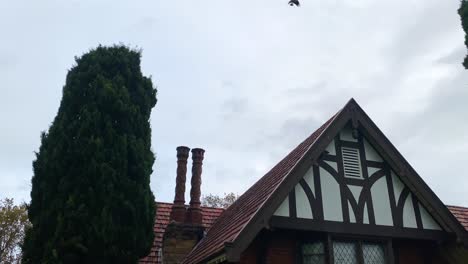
(234, 106)
(248, 84)
(453, 57)
(7, 61)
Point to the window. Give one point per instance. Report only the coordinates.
(358, 252)
(344, 252)
(313, 253)
(373, 253)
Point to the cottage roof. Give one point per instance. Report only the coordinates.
(241, 222)
(162, 219)
(210, 215)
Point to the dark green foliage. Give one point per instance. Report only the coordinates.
(91, 201)
(463, 12)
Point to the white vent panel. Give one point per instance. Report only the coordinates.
(351, 162)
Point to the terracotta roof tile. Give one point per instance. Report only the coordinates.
(235, 218)
(163, 211)
(211, 214)
(229, 224)
(461, 213)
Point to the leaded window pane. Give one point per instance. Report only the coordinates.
(373, 253)
(344, 253)
(313, 253)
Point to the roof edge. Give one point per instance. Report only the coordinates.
(354, 113)
(335, 123)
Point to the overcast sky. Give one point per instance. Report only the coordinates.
(248, 80)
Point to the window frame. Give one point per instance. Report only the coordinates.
(312, 238)
(328, 240)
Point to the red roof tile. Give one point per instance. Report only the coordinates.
(163, 211)
(236, 217)
(210, 215)
(461, 213)
(230, 223)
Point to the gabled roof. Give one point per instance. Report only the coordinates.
(163, 212)
(242, 221)
(210, 215)
(238, 215)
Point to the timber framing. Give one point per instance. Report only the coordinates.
(354, 115)
(357, 229)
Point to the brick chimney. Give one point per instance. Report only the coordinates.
(194, 215)
(185, 229)
(178, 209)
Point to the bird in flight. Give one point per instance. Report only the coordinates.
(294, 3)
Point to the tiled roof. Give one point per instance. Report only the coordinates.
(235, 218)
(230, 224)
(163, 211)
(461, 213)
(210, 215)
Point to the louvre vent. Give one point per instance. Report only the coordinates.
(351, 162)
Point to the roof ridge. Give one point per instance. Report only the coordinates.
(322, 128)
(456, 206)
(156, 202)
(240, 219)
(206, 207)
(161, 221)
(234, 219)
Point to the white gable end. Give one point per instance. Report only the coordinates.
(352, 183)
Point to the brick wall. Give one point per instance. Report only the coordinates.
(252, 254)
(271, 248)
(280, 247)
(178, 241)
(416, 252)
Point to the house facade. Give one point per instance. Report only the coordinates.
(345, 195)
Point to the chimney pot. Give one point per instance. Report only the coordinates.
(178, 209)
(194, 215)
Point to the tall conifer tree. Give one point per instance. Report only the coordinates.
(91, 201)
(463, 12)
